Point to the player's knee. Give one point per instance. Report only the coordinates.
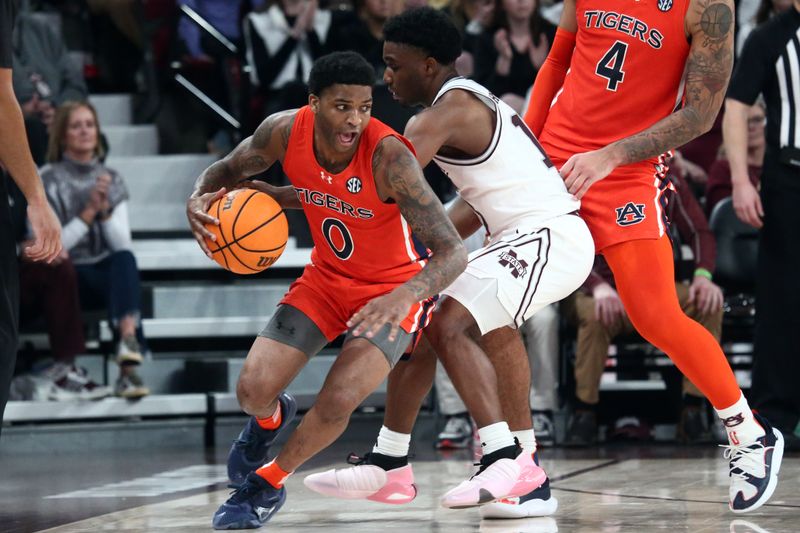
(336, 405)
(250, 393)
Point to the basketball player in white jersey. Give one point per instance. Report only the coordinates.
(539, 251)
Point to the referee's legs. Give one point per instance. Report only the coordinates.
(776, 362)
(9, 317)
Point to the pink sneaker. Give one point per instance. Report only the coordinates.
(531, 476)
(495, 481)
(366, 482)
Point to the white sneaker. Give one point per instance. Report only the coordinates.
(71, 383)
(754, 469)
(129, 352)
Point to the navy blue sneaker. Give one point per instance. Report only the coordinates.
(754, 469)
(252, 504)
(538, 502)
(249, 451)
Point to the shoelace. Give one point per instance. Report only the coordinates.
(242, 492)
(745, 458)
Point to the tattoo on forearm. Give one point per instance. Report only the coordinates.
(708, 70)
(427, 218)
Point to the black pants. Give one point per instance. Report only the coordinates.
(9, 299)
(776, 367)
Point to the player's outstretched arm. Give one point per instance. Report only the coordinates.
(252, 156)
(710, 24)
(398, 176)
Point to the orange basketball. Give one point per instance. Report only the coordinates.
(252, 231)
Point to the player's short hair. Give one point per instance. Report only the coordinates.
(428, 29)
(347, 68)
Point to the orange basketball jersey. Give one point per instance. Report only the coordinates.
(355, 233)
(626, 74)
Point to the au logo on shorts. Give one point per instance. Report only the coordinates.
(354, 184)
(630, 214)
(518, 266)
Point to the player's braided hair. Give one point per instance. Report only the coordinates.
(347, 68)
(427, 29)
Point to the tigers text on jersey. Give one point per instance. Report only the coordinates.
(513, 183)
(355, 233)
(626, 74)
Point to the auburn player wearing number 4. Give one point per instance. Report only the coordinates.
(539, 252)
(372, 215)
(625, 83)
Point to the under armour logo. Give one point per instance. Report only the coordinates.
(732, 421)
(325, 177)
(518, 266)
(289, 330)
(630, 214)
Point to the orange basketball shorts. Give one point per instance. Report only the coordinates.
(627, 205)
(330, 299)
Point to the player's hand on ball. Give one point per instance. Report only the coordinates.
(261, 186)
(197, 212)
(581, 171)
(390, 308)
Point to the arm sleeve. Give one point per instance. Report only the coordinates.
(549, 80)
(117, 228)
(751, 70)
(72, 232)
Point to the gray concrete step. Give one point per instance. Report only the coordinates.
(209, 301)
(113, 109)
(159, 187)
(132, 140)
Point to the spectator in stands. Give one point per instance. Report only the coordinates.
(91, 201)
(363, 32)
(511, 51)
(50, 291)
(601, 318)
(44, 74)
(281, 45)
(471, 17)
(719, 184)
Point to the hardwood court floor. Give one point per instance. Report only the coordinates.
(605, 489)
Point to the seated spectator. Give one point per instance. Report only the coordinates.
(601, 318)
(91, 202)
(50, 291)
(510, 52)
(719, 184)
(471, 17)
(44, 75)
(363, 32)
(281, 45)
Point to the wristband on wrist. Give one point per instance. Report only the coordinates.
(703, 272)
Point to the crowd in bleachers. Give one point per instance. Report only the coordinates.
(252, 58)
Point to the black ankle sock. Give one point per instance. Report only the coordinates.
(509, 452)
(387, 462)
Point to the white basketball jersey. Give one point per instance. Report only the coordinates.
(513, 183)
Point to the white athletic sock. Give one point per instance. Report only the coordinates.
(739, 422)
(526, 439)
(392, 443)
(495, 436)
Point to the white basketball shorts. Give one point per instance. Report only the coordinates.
(524, 270)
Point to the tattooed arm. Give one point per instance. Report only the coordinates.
(709, 24)
(399, 177)
(252, 156)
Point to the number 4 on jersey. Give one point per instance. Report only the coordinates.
(610, 66)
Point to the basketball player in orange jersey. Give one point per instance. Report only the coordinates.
(624, 83)
(372, 215)
(538, 252)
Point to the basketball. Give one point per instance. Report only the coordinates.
(252, 231)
